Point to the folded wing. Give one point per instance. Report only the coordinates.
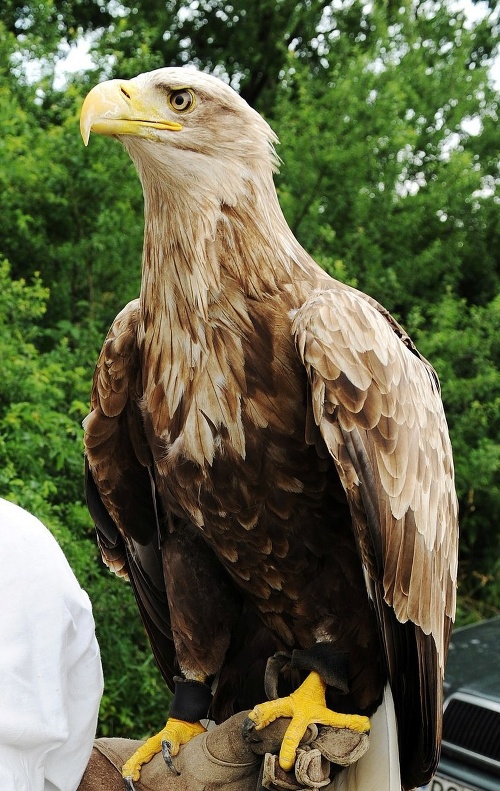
(377, 405)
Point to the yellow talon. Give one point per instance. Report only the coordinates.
(176, 732)
(305, 706)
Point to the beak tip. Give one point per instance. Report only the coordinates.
(85, 128)
(88, 114)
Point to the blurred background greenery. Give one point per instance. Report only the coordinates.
(388, 119)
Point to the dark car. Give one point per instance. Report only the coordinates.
(470, 758)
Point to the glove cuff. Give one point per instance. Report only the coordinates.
(191, 700)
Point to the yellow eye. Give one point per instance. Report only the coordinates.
(181, 100)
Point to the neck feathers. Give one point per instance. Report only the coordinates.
(202, 265)
(191, 247)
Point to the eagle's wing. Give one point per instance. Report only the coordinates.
(120, 485)
(377, 404)
(158, 551)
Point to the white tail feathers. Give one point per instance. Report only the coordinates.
(378, 769)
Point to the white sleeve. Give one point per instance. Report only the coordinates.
(50, 669)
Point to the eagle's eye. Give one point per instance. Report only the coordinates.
(182, 100)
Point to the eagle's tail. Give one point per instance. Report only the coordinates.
(378, 769)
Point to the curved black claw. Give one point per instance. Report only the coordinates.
(167, 756)
(128, 783)
(274, 666)
(248, 731)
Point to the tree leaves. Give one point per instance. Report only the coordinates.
(43, 399)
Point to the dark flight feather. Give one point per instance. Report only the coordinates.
(268, 457)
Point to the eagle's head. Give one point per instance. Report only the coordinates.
(186, 131)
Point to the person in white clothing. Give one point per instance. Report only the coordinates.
(50, 668)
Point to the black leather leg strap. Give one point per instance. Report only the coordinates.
(191, 700)
(328, 661)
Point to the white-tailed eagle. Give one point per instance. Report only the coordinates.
(268, 457)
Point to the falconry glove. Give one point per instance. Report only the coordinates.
(222, 759)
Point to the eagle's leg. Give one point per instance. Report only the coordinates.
(305, 706)
(190, 705)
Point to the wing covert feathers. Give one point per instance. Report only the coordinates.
(120, 484)
(378, 407)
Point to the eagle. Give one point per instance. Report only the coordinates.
(268, 459)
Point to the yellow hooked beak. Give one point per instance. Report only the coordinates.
(120, 107)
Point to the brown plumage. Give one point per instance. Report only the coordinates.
(268, 457)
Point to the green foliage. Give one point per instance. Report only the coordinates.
(41, 26)
(389, 135)
(463, 343)
(394, 186)
(63, 213)
(43, 398)
(42, 403)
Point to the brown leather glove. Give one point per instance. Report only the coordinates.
(222, 759)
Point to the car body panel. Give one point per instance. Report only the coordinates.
(470, 759)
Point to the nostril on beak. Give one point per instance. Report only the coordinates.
(125, 93)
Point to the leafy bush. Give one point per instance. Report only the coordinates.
(43, 398)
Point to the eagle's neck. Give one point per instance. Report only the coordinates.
(202, 264)
(192, 245)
